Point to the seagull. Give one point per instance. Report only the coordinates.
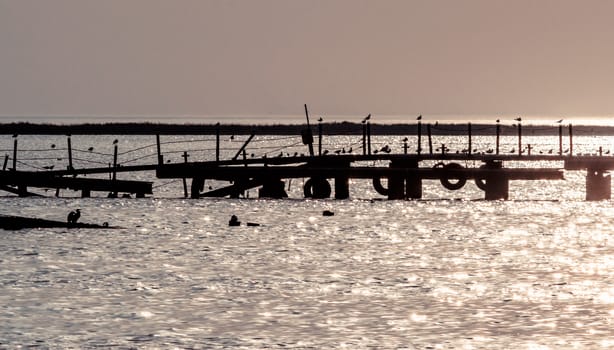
(115, 141)
(518, 119)
(419, 117)
(559, 121)
(405, 139)
(53, 145)
(90, 149)
(498, 121)
(513, 150)
(366, 118)
(232, 137)
(320, 119)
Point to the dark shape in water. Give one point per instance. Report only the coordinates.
(234, 221)
(8, 222)
(327, 213)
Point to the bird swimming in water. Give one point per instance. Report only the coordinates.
(53, 145)
(73, 216)
(90, 149)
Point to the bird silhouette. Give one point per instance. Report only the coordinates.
(320, 119)
(232, 137)
(419, 117)
(73, 216)
(350, 150)
(559, 121)
(518, 119)
(513, 150)
(498, 121)
(53, 145)
(366, 118)
(115, 141)
(405, 139)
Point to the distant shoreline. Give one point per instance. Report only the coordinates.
(342, 128)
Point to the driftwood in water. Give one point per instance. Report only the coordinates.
(17, 223)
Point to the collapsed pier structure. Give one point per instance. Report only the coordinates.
(394, 175)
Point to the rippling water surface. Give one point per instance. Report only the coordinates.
(450, 271)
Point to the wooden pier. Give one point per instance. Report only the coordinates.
(394, 175)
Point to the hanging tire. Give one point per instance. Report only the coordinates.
(481, 183)
(317, 187)
(446, 181)
(379, 188)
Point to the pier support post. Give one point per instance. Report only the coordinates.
(497, 187)
(86, 193)
(22, 190)
(198, 184)
(598, 185)
(273, 188)
(405, 187)
(342, 187)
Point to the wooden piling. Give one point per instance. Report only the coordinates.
(217, 142)
(560, 140)
(160, 158)
(319, 138)
(419, 137)
(469, 137)
(6, 160)
(369, 137)
(185, 184)
(570, 140)
(70, 167)
(498, 131)
(14, 155)
(364, 138)
(428, 130)
(519, 138)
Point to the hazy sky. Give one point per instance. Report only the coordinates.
(342, 57)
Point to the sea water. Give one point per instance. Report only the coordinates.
(445, 272)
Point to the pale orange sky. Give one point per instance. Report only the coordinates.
(342, 57)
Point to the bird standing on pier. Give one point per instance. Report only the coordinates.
(115, 141)
(366, 119)
(73, 216)
(419, 117)
(518, 119)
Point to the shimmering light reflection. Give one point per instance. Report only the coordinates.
(438, 273)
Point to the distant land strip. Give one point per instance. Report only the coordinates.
(341, 128)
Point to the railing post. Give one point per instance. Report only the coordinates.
(160, 158)
(217, 142)
(560, 140)
(369, 137)
(69, 154)
(419, 150)
(570, 140)
(498, 135)
(469, 135)
(428, 130)
(519, 138)
(185, 184)
(15, 154)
